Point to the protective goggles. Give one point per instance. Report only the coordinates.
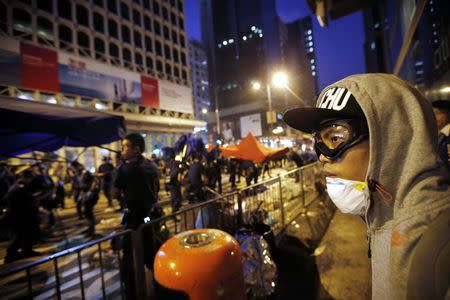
(334, 137)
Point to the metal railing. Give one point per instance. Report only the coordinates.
(95, 271)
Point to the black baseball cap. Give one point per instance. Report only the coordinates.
(333, 103)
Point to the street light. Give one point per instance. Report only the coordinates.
(257, 86)
(204, 111)
(280, 79)
(216, 100)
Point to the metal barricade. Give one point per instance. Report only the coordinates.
(92, 270)
(87, 271)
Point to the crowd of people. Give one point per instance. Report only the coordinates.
(29, 194)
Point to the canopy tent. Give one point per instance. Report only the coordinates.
(250, 149)
(27, 126)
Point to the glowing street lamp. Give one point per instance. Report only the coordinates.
(204, 111)
(280, 79)
(256, 85)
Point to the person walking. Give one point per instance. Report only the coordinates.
(89, 197)
(105, 171)
(22, 201)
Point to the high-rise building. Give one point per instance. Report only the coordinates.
(246, 42)
(418, 54)
(125, 57)
(302, 62)
(199, 77)
(407, 38)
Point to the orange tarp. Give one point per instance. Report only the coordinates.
(250, 149)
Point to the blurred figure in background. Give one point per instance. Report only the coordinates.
(174, 185)
(195, 180)
(232, 170)
(266, 169)
(75, 173)
(441, 109)
(23, 215)
(89, 197)
(105, 171)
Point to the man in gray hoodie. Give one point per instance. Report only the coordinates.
(377, 139)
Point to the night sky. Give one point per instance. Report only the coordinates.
(339, 47)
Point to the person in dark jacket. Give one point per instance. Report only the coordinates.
(137, 179)
(23, 216)
(195, 181)
(174, 184)
(232, 170)
(105, 171)
(89, 197)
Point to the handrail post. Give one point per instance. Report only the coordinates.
(138, 263)
(303, 186)
(280, 187)
(240, 220)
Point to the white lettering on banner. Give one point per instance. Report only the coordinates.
(332, 99)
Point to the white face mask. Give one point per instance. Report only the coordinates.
(348, 195)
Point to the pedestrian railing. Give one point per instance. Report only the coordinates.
(93, 270)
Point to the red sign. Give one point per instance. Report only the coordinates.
(39, 68)
(150, 91)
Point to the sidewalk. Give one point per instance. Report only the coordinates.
(336, 268)
(344, 267)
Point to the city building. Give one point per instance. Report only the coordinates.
(302, 59)
(409, 39)
(246, 44)
(123, 57)
(412, 41)
(199, 77)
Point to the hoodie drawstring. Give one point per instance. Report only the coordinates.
(384, 194)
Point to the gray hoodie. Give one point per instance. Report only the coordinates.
(408, 186)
